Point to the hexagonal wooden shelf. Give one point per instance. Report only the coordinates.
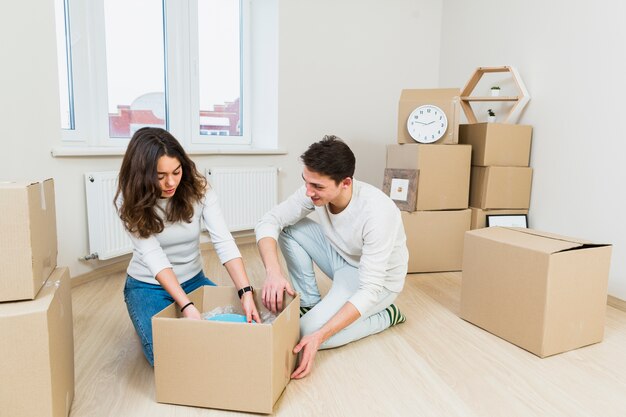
(520, 100)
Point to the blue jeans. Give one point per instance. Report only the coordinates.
(144, 300)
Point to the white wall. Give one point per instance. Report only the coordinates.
(343, 65)
(572, 58)
(341, 68)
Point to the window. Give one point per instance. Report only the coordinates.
(65, 84)
(176, 64)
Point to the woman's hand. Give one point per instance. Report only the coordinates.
(192, 312)
(249, 307)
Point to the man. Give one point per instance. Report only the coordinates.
(359, 243)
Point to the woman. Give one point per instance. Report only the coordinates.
(161, 198)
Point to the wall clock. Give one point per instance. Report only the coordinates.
(443, 100)
(427, 123)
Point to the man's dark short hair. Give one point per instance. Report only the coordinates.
(330, 156)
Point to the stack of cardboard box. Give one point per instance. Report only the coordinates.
(36, 330)
(435, 225)
(501, 176)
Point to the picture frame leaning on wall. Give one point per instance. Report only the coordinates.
(401, 186)
(507, 220)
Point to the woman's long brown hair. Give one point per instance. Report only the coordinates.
(138, 183)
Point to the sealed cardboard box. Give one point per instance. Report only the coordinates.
(446, 99)
(479, 216)
(497, 144)
(500, 187)
(542, 292)
(37, 352)
(435, 239)
(28, 242)
(230, 366)
(444, 173)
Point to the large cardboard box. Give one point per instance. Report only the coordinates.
(444, 173)
(500, 187)
(497, 144)
(479, 216)
(543, 292)
(435, 239)
(28, 242)
(447, 99)
(37, 352)
(231, 366)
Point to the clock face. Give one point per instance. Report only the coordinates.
(427, 123)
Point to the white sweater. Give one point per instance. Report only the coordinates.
(368, 234)
(178, 245)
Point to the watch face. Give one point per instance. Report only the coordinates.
(427, 123)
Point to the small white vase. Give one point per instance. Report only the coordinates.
(495, 93)
(491, 119)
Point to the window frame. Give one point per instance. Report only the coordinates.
(90, 94)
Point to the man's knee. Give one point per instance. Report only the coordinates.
(308, 325)
(302, 225)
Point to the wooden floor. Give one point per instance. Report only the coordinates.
(435, 364)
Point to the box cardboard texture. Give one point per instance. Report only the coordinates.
(435, 239)
(37, 352)
(28, 242)
(447, 99)
(497, 144)
(231, 366)
(542, 292)
(479, 216)
(444, 173)
(500, 187)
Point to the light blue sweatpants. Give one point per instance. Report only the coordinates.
(305, 243)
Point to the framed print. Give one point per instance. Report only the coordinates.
(507, 220)
(401, 186)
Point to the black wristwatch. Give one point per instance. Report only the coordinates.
(244, 290)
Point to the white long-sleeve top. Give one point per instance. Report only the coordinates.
(178, 245)
(368, 234)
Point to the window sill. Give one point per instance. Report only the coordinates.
(78, 151)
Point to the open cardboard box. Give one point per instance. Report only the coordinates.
(231, 366)
(542, 292)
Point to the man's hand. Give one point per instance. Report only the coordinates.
(309, 345)
(249, 308)
(273, 289)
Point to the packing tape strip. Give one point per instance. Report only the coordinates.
(56, 283)
(42, 192)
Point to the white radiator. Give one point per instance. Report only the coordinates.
(107, 237)
(245, 194)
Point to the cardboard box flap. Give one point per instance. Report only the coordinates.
(582, 243)
(528, 239)
(22, 183)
